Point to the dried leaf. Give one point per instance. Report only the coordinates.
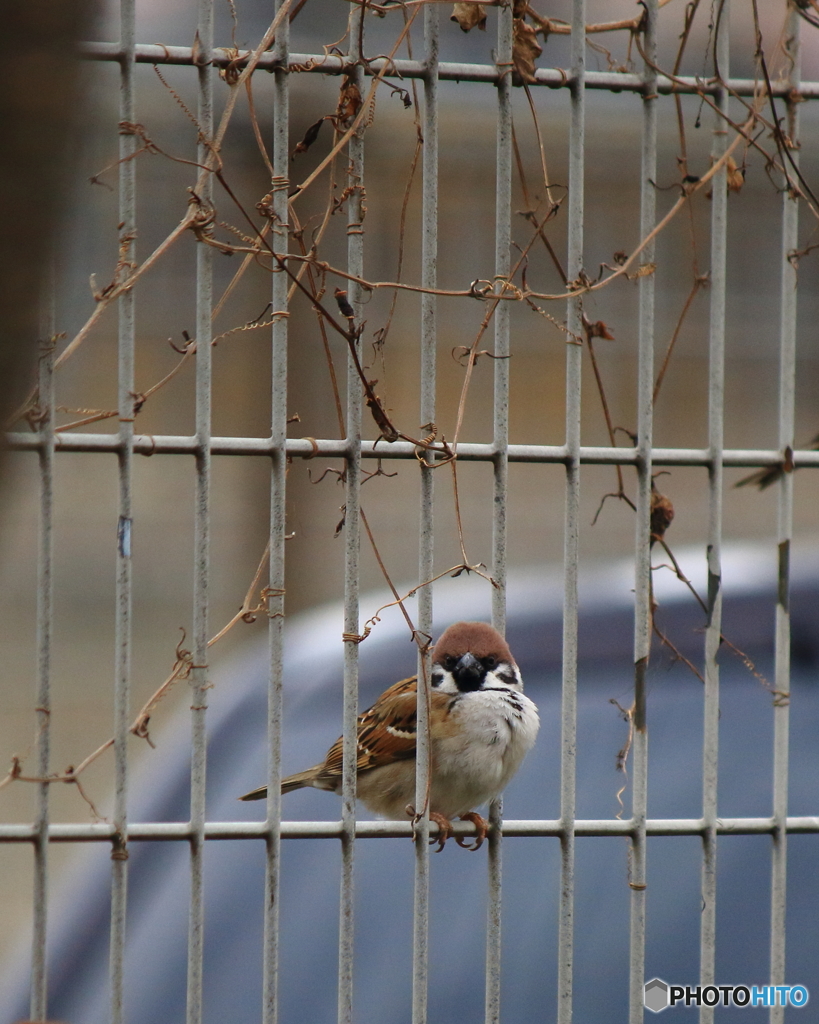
(310, 137)
(644, 270)
(770, 474)
(343, 303)
(265, 206)
(469, 15)
(402, 94)
(382, 420)
(662, 514)
(198, 57)
(342, 521)
(349, 101)
(735, 175)
(525, 51)
(599, 330)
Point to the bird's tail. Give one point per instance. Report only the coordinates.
(255, 794)
(297, 781)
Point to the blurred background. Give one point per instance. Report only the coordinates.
(86, 246)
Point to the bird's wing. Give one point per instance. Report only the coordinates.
(386, 731)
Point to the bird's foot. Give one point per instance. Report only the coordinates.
(445, 828)
(481, 829)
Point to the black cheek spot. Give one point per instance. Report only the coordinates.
(437, 677)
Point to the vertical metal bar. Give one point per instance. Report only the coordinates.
(199, 673)
(642, 557)
(45, 608)
(278, 478)
(503, 240)
(429, 337)
(782, 665)
(352, 525)
(713, 632)
(125, 399)
(571, 550)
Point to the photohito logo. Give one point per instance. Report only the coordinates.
(659, 995)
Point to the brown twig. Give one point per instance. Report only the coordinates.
(699, 282)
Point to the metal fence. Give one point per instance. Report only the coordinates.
(127, 445)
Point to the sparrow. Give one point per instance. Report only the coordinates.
(480, 725)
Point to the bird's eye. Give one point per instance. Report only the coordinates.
(490, 662)
(450, 662)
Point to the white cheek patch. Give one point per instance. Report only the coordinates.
(505, 675)
(444, 681)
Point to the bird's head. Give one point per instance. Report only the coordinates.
(473, 656)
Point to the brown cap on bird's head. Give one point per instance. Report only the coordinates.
(477, 638)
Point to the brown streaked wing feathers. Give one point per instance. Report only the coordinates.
(376, 745)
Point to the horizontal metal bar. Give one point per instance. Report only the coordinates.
(169, 444)
(556, 78)
(181, 831)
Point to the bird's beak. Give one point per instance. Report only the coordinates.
(469, 672)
